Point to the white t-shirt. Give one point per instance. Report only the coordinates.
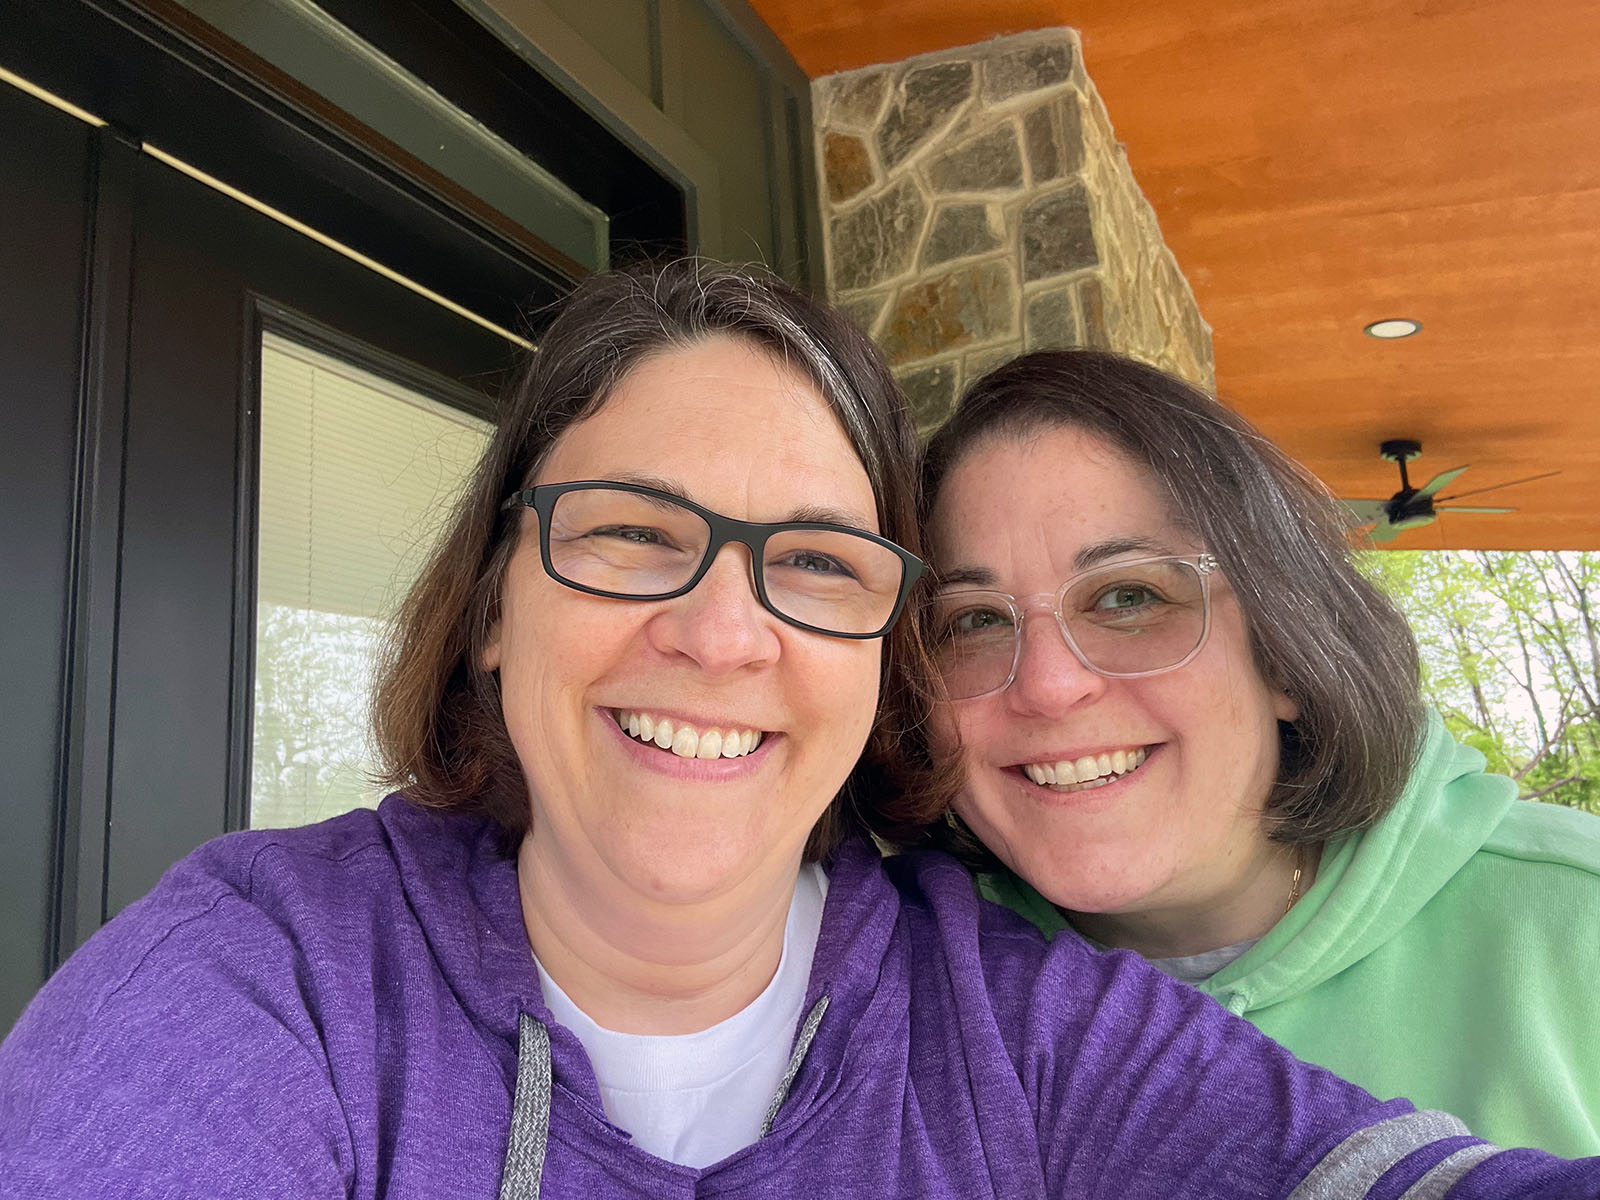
(695, 1098)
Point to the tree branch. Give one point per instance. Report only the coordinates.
(1548, 788)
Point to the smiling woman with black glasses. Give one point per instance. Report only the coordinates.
(1188, 727)
(621, 931)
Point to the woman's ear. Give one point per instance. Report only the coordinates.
(489, 656)
(1285, 707)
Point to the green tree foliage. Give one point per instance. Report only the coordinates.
(1510, 647)
(313, 675)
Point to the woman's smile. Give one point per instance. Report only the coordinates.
(687, 739)
(1087, 770)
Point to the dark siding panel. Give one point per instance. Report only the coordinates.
(619, 30)
(725, 111)
(43, 195)
(170, 747)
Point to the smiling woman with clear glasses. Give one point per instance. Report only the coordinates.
(622, 929)
(1207, 746)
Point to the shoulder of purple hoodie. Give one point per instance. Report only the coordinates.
(334, 1011)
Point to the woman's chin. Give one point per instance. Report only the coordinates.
(676, 867)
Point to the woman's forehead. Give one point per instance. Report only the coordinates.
(725, 422)
(1048, 496)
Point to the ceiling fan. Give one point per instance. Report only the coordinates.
(1411, 507)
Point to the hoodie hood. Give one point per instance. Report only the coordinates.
(1372, 882)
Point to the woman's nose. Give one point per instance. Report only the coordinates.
(721, 624)
(1050, 677)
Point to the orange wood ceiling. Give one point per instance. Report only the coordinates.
(1317, 166)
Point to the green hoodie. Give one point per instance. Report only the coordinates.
(1449, 954)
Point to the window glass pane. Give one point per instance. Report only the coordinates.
(357, 476)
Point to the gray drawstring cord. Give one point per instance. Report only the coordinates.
(530, 1113)
(808, 1030)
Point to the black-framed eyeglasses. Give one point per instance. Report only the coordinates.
(630, 542)
(1129, 619)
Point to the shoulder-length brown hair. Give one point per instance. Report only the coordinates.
(1318, 629)
(436, 713)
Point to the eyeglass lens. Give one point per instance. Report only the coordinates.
(1125, 620)
(633, 545)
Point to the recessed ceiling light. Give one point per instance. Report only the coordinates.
(1395, 327)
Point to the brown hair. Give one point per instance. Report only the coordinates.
(1318, 629)
(436, 713)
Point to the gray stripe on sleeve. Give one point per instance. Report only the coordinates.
(1355, 1164)
(530, 1113)
(1448, 1173)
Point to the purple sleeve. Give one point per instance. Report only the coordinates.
(1145, 1086)
(172, 1056)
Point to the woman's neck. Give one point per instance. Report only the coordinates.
(1247, 909)
(638, 966)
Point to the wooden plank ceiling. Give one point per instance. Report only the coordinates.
(1318, 166)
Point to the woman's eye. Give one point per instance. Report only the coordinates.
(975, 620)
(640, 535)
(817, 563)
(1125, 596)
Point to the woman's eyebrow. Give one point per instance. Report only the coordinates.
(823, 515)
(1098, 552)
(965, 577)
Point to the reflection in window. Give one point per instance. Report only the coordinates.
(357, 476)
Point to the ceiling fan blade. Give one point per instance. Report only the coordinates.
(1383, 532)
(1444, 480)
(1365, 512)
(1470, 509)
(1495, 487)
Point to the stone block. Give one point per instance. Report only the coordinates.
(1069, 124)
(847, 166)
(930, 393)
(877, 240)
(989, 162)
(959, 231)
(965, 307)
(855, 100)
(929, 97)
(1051, 321)
(1092, 304)
(1058, 234)
(1044, 144)
(1028, 70)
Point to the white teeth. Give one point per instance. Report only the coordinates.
(1090, 769)
(685, 740)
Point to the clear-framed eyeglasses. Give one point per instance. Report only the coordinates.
(630, 542)
(1126, 620)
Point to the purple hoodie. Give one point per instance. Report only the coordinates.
(335, 1011)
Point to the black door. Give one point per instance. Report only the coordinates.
(132, 302)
